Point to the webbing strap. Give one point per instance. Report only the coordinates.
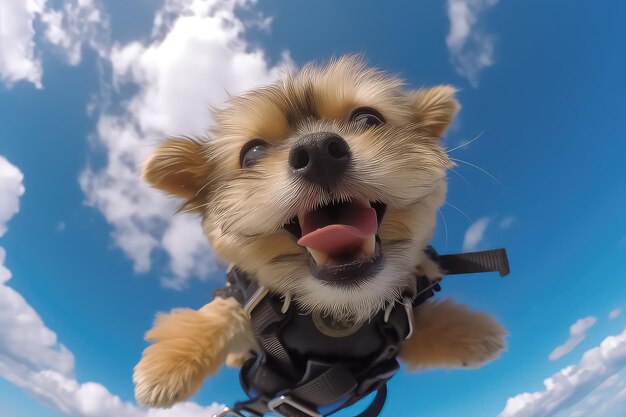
(328, 387)
(494, 260)
(263, 317)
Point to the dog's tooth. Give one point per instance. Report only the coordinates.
(369, 246)
(320, 257)
(365, 202)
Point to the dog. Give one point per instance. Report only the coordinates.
(338, 144)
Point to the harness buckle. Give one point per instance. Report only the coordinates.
(304, 411)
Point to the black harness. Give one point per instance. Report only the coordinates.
(311, 365)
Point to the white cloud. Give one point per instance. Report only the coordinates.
(195, 57)
(24, 341)
(572, 384)
(475, 234)
(186, 244)
(615, 313)
(507, 222)
(577, 333)
(78, 22)
(32, 358)
(471, 49)
(11, 188)
(608, 400)
(91, 399)
(17, 46)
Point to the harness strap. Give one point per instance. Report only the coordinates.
(377, 404)
(264, 319)
(494, 260)
(327, 388)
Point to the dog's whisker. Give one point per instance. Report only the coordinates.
(462, 177)
(445, 224)
(465, 143)
(480, 169)
(459, 210)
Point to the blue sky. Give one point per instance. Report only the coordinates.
(89, 254)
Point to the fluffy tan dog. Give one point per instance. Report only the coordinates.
(340, 145)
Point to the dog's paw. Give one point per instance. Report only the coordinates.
(429, 269)
(482, 347)
(163, 377)
(189, 346)
(449, 335)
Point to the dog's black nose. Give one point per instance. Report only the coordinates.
(321, 158)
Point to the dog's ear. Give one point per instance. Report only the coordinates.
(179, 167)
(435, 108)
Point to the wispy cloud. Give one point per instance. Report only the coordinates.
(615, 313)
(475, 234)
(32, 357)
(577, 333)
(17, 46)
(75, 23)
(471, 48)
(507, 222)
(572, 384)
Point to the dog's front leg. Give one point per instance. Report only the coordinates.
(190, 345)
(450, 335)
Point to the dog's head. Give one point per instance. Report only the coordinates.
(324, 185)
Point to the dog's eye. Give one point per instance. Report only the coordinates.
(366, 117)
(252, 152)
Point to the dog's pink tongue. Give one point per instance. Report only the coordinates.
(337, 238)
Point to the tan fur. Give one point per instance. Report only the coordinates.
(178, 167)
(436, 108)
(188, 346)
(400, 163)
(448, 335)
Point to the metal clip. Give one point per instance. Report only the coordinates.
(388, 311)
(256, 298)
(286, 400)
(286, 303)
(408, 306)
(227, 412)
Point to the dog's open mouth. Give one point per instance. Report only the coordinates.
(341, 239)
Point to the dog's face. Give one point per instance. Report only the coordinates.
(324, 185)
